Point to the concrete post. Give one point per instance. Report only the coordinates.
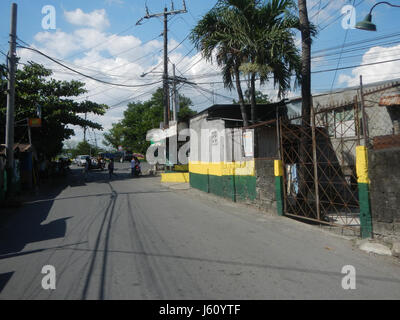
(363, 191)
(279, 185)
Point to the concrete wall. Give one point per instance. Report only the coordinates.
(384, 173)
(217, 164)
(265, 185)
(267, 142)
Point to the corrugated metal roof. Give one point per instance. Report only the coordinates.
(390, 100)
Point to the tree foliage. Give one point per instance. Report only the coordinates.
(85, 148)
(141, 117)
(261, 98)
(254, 38)
(35, 87)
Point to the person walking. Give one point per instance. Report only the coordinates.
(111, 168)
(133, 165)
(87, 168)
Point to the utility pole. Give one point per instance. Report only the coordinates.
(165, 14)
(364, 115)
(304, 171)
(84, 129)
(12, 61)
(174, 95)
(305, 62)
(95, 139)
(165, 75)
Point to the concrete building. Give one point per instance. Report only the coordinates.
(238, 163)
(223, 154)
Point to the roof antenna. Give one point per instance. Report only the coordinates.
(184, 6)
(172, 6)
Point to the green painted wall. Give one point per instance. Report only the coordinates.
(279, 194)
(199, 181)
(245, 188)
(365, 210)
(236, 188)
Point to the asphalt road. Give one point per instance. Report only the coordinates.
(138, 239)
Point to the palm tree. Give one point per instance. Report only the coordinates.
(266, 31)
(252, 37)
(214, 36)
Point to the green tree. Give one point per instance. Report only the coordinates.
(115, 137)
(254, 38)
(84, 147)
(34, 86)
(139, 118)
(214, 36)
(261, 98)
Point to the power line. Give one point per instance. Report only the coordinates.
(350, 44)
(337, 18)
(130, 98)
(340, 57)
(111, 69)
(85, 75)
(356, 49)
(356, 66)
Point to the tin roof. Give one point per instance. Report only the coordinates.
(390, 100)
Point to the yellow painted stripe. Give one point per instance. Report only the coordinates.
(278, 168)
(362, 164)
(245, 168)
(179, 177)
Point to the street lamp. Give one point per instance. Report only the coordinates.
(367, 24)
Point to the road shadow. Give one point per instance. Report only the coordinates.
(25, 226)
(4, 278)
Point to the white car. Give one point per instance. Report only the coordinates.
(81, 160)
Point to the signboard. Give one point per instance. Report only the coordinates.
(35, 122)
(120, 148)
(248, 143)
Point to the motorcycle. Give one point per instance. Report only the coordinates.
(137, 171)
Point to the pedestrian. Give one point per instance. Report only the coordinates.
(133, 165)
(86, 169)
(111, 168)
(136, 166)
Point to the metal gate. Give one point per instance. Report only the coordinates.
(320, 182)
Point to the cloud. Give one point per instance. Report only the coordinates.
(96, 19)
(377, 72)
(123, 59)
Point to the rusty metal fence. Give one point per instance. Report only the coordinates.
(318, 155)
(382, 116)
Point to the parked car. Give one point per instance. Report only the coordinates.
(81, 160)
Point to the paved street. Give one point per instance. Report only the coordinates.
(138, 239)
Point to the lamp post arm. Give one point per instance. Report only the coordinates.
(383, 2)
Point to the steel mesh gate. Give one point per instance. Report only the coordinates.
(320, 182)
